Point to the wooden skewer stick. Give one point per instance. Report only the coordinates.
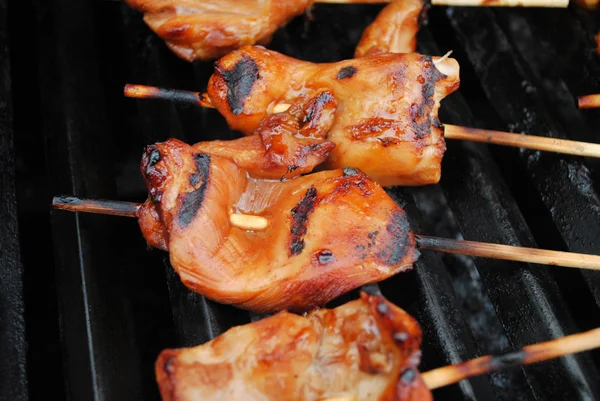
(471, 248)
(503, 3)
(130, 209)
(527, 355)
(450, 132)
(175, 95)
(349, 397)
(469, 3)
(522, 141)
(508, 252)
(249, 222)
(99, 206)
(588, 101)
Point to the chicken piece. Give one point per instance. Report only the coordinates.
(394, 30)
(365, 350)
(206, 30)
(328, 232)
(385, 119)
(280, 148)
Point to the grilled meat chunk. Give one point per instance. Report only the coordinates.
(393, 31)
(381, 110)
(328, 232)
(205, 30)
(283, 146)
(365, 350)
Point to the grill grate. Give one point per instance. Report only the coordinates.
(13, 380)
(120, 304)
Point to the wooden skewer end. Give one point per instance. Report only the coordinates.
(588, 101)
(249, 222)
(340, 398)
(281, 107)
(115, 208)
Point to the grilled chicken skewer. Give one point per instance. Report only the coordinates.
(380, 111)
(327, 232)
(205, 30)
(368, 349)
(525, 141)
(266, 245)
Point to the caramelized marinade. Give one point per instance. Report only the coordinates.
(328, 232)
(380, 111)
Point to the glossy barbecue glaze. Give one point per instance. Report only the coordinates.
(205, 30)
(393, 31)
(283, 146)
(367, 349)
(328, 232)
(381, 110)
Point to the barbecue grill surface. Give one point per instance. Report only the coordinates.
(86, 307)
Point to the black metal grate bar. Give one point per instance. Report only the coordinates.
(13, 347)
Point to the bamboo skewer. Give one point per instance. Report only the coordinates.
(503, 3)
(174, 95)
(114, 208)
(451, 131)
(468, 3)
(522, 141)
(572, 344)
(588, 101)
(509, 252)
(248, 222)
(470, 248)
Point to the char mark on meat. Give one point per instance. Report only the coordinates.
(421, 112)
(240, 80)
(300, 215)
(398, 240)
(192, 201)
(347, 72)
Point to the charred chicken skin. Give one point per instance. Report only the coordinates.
(380, 111)
(393, 31)
(205, 30)
(365, 350)
(328, 232)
